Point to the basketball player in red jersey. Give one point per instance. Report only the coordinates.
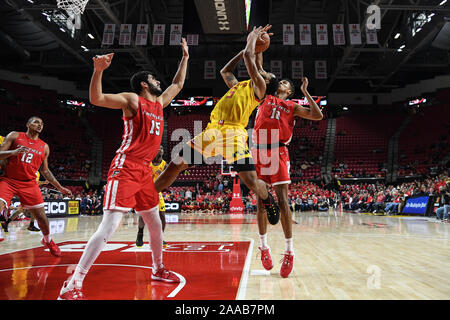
(274, 125)
(130, 178)
(26, 154)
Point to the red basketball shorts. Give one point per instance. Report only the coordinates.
(29, 194)
(272, 165)
(130, 187)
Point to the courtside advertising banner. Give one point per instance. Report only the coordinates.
(416, 205)
(60, 208)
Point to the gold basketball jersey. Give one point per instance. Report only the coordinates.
(159, 167)
(236, 106)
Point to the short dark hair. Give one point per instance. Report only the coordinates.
(32, 118)
(137, 78)
(292, 87)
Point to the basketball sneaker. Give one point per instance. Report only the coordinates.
(266, 259)
(54, 249)
(165, 244)
(140, 239)
(287, 264)
(162, 274)
(33, 228)
(67, 294)
(272, 210)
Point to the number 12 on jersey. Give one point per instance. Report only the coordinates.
(26, 157)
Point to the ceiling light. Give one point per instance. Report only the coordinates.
(443, 2)
(401, 47)
(90, 36)
(397, 36)
(399, 50)
(30, 1)
(62, 29)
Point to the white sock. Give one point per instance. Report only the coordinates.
(263, 241)
(154, 226)
(289, 245)
(95, 245)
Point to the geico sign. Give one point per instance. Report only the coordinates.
(237, 208)
(55, 207)
(172, 206)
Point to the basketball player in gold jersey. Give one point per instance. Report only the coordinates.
(158, 164)
(225, 134)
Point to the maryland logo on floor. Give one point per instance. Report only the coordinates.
(208, 271)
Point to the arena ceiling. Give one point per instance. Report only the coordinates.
(33, 43)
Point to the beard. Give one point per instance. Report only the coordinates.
(272, 86)
(154, 90)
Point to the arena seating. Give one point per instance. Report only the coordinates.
(306, 149)
(362, 142)
(63, 131)
(424, 141)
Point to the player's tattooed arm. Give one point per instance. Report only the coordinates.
(228, 69)
(48, 175)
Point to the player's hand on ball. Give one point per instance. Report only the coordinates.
(304, 86)
(102, 62)
(184, 48)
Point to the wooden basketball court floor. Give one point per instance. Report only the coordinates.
(338, 256)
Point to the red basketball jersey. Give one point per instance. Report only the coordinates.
(142, 134)
(274, 121)
(25, 165)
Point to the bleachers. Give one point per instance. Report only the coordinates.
(362, 141)
(424, 141)
(63, 131)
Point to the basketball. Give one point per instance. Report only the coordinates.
(262, 43)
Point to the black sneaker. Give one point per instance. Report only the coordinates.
(5, 226)
(140, 239)
(33, 228)
(272, 210)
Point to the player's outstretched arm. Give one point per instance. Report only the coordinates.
(259, 84)
(314, 112)
(178, 81)
(228, 69)
(106, 100)
(48, 175)
(9, 140)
